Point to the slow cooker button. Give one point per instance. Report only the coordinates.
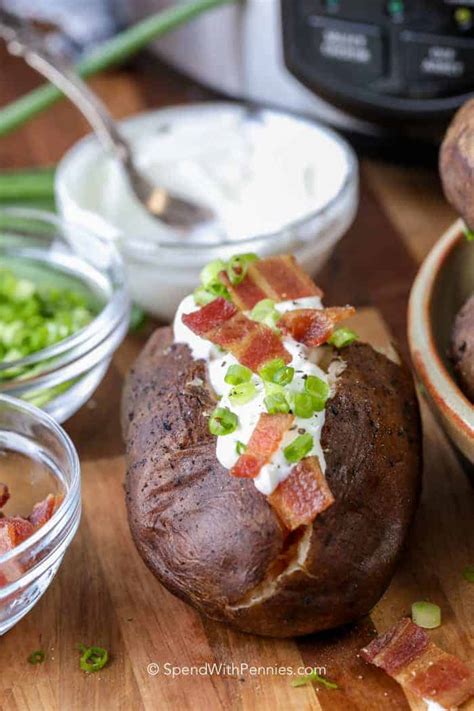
(352, 51)
(431, 58)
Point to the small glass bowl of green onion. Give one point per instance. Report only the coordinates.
(64, 310)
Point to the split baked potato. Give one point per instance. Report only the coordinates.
(216, 542)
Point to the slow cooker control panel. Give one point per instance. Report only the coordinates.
(399, 57)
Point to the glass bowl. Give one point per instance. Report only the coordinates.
(40, 246)
(36, 455)
(162, 269)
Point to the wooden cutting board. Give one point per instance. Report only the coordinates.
(104, 595)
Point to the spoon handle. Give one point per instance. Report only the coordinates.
(24, 41)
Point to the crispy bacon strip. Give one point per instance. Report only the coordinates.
(264, 442)
(13, 531)
(43, 510)
(313, 327)
(279, 278)
(303, 495)
(252, 343)
(406, 654)
(4, 495)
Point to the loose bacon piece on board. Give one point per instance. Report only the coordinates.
(264, 442)
(406, 654)
(4, 495)
(313, 327)
(252, 343)
(43, 510)
(279, 278)
(303, 495)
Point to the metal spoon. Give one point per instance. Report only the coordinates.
(24, 41)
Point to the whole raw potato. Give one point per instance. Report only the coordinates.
(214, 540)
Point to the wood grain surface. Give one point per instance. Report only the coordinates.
(104, 595)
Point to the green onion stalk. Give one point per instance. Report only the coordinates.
(109, 54)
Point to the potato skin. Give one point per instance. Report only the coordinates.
(462, 347)
(211, 539)
(456, 163)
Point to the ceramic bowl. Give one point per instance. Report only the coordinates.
(444, 282)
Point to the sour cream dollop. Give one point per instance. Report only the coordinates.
(278, 469)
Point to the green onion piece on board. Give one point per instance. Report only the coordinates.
(243, 393)
(37, 657)
(237, 374)
(93, 659)
(342, 337)
(312, 678)
(426, 615)
(223, 421)
(299, 448)
(468, 573)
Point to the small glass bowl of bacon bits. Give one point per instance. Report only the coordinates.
(40, 505)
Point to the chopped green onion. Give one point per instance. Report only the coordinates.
(243, 393)
(299, 448)
(238, 265)
(468, 573)
(426, 615)
(277, 404)
(269, 370)
(223, 421)
(138, 319)
(342, 337)
(303, 405)
(284, 376)
(237, 374)
(93, 658)
(211, 271)
(205, 294)
(469, 234)
(240, 448)
(265, 312)
(273, 388)
(319, 391)
(37, 657)
(314, 677)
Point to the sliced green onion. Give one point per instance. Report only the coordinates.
(269, 370)
(277, 404)
(37, 657)
(273, 388)
(238, 265)
(240, 448)
(426, 615)
(342, 337)
(299, 448)
(205, 294)
(138, 319)
(303, 405)
(284, 376)
(265, 312)
(319, 391)
(469, 234)
(93, 659)
(243, 393)
(468, 573)
(237, 374)
(211, 272)
(314, 677)
(223, 421)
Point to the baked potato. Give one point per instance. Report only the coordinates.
(216, 541)
(462, 347)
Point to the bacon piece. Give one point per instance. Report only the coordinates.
(303, 495)
(313, 327)
(43, 510)
(4, 495)
(252, 343)
(210, 316)
(13, 531)
(279, 278)
(264, 442)
(406, 654)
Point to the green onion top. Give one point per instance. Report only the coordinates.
(318, 390)
(303, 405)
(342, 337)
(237, 374)
(277, 404)
(93, 658)
(240, 448)
(36, 657)
(238, 265)
(270, 369)
(223, 421)
(314, 677)
(211, 285)
(243, 393)
(426, 615)
(265, 312)
(33, 317)
(299, 448)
